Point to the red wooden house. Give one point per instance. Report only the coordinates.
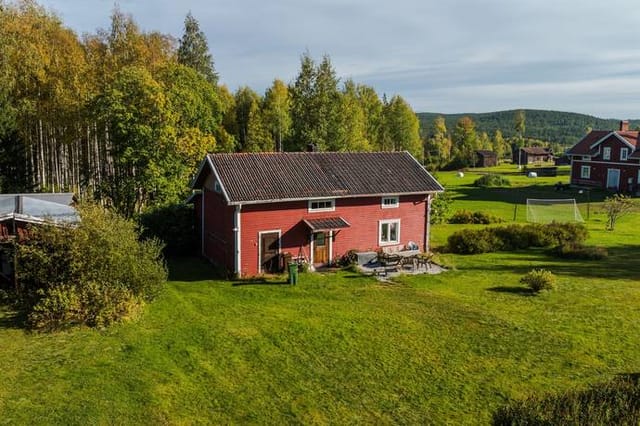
(607, 159)
(253, 209)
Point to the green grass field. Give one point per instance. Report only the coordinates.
(342, 348)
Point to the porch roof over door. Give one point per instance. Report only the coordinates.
(326, 224)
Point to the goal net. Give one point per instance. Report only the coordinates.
(553, 210)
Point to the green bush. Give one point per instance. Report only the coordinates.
(478, 218)
(174, 225)
(568, 251)
(614, 403)
(92, 274)
(515, 237)
(539, 279)
(491, 180)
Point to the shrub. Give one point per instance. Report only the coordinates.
(474, 241)
(568, 251)
(515, 237)
(491, 180)
(94, 274)
(174, 225)
(539, 279)
(440, 207)
(613, 403)
(467, 217)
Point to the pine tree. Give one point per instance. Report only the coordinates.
(193, 50)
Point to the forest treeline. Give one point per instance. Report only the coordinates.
(124, 116)
(563, 129)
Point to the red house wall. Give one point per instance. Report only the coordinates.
(218, 230)
(363, 214)
(599, 167)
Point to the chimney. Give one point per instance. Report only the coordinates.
(624, 125)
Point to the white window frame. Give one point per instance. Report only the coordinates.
(638, 176)
(606, 153)
(392, 202)
(388, 222)
(584, 169)
(624, 154)
(322, 209)
(586, 158)
(217, 187)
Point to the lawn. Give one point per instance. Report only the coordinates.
(342, 348)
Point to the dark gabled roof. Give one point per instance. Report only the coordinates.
(536, 150)
(267, 177)
(584, 146)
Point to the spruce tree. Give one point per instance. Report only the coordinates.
(193, 50)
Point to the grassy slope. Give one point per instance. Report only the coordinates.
(446, 348)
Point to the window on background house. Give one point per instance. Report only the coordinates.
(322, 205)
(389, 231)
(606, 153)
(586, 158)
(390, 202)
(624, 153)
(585, 172)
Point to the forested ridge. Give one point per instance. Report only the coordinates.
(556, 127)
(124, 116)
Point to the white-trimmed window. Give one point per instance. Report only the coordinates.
(606, 153)
(216, 187)
(624, 154)
(322, 205)
(389, 232)
(586, 158)
(638, 177)
(585, 172)
(390, 202)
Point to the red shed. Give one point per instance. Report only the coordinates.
(607, 159)
(254, 209)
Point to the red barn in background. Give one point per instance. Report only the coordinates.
(253, 209)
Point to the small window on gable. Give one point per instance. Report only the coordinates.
(624, 154)
(322, 205)
(390, 202)
(606, 153)
(216, 187)
(585, 172)
(586, 158)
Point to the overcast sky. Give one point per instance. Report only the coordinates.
(441, 56)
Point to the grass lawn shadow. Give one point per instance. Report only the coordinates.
(522, 291)
(11, 319)
(190, 269)
(258, 281)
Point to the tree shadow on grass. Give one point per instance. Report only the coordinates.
(522, 291)
(190, 269)
(11, 319)
(258, 281)
(623, 263)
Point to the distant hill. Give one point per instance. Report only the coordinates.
(564, 128)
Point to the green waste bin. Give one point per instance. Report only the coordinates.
(293, 273)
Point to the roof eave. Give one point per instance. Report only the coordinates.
(331, 197)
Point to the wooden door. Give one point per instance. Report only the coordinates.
(269, 251)
(320, 248)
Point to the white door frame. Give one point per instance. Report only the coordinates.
(609, 173)
(273, 231)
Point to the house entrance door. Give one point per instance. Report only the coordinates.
(269, 250)
(320, 248)
(613, 178)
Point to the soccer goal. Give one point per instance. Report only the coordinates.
(553, 210)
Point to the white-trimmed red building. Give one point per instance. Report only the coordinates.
(253, 208)
(607, 159)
